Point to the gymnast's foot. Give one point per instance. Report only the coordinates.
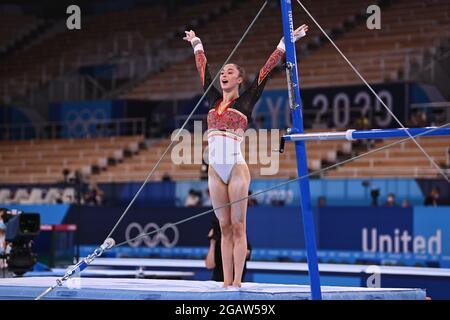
(226, 284)
(236, 284)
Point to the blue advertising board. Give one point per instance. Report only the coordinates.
(416, 236)
(334, 107)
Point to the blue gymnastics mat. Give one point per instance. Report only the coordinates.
(155, 289)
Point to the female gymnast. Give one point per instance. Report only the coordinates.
(228, 174)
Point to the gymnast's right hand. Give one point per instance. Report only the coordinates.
(194, 40)
(190, 35)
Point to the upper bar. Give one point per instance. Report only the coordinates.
(352, 134)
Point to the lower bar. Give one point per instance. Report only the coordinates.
(368, 134)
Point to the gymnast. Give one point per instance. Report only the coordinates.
(228, 174)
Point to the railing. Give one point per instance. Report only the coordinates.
(434, 68)
(415, 172)
(75, 129)
(439, 111)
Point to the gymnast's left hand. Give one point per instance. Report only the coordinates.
(300, 32)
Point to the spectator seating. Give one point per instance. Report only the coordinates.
(403, 160)
(42, 161)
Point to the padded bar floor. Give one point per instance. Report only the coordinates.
(155, 289)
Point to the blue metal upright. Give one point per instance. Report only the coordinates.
(302, 167)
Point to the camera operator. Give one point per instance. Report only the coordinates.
(17, 231)
(3, 246)
(80, 182)
(3, 212)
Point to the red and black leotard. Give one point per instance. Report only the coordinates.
(236, 116)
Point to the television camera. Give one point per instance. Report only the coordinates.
(19, 232)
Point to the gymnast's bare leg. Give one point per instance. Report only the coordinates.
(238, 189)
(219, 197)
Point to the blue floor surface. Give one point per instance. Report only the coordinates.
(154, 289)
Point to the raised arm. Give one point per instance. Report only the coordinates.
(202, 66)
(252, 94)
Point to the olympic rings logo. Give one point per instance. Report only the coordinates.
(84, 121)
(168, 239)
